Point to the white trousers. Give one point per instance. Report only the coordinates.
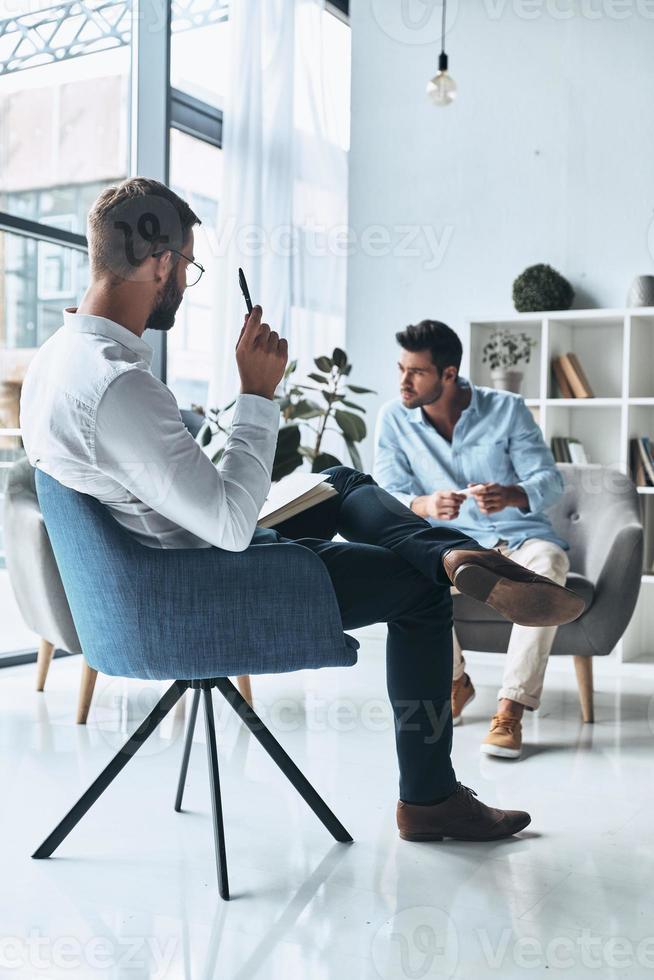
(529, 646)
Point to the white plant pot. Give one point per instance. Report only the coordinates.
(506, 379)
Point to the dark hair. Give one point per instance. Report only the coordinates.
(440, 340)
(132, 221)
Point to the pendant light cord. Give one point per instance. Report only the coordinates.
(443, 27)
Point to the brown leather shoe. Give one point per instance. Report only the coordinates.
(517, 593)
(463, 693)
(461, 816)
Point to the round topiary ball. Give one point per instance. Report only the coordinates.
(540, 287)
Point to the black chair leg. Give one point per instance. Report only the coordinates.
(282, 759)
(216, 804)
(109, 773)
(187, 749)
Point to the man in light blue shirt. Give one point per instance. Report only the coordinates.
(474, 458)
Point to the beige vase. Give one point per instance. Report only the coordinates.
(506, 379)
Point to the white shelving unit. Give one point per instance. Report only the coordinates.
(616, 351)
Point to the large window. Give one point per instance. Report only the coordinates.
(200, 53)
(64, 135)
(196, 175)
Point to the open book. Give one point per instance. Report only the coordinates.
(292, 495)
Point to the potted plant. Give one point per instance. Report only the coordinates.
(302, 416)
(540, 287)
(503, 352)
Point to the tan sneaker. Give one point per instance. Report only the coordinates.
(462, 694)
(504, 738)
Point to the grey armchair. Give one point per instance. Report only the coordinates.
(599, 516)
(36, 582)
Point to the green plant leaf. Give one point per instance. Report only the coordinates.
(216, 457)
(305, 409)
(323, 461)
(292, 365)
(285, 465)
(323, 363)
(361, 391)
(352, 426)
(354, 455)
(205, 435)
(339, 358)
(320, 378)
(358, 408)
(288, 439)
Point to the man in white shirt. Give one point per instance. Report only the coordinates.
(95, 418)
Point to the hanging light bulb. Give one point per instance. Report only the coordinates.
(441, 89)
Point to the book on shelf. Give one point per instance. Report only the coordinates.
(641, 461)
(292, 495)
(567, 450)
(571, 377)
(561, 380)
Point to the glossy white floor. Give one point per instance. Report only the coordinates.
(132, 892)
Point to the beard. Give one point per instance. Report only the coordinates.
(419, 401)
(163, 315)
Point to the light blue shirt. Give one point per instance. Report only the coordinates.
(496, 440)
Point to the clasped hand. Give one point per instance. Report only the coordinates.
(490, 498)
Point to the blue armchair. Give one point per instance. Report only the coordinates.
(195, 616)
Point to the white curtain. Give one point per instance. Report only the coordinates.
(283, 210)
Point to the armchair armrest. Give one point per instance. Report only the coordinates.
(616, 590)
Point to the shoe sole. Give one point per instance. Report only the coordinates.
(424, 838)
(525, 603)
(500, 751)
(459, 718)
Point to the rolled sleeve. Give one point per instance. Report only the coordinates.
(533, 462)
(392, 469)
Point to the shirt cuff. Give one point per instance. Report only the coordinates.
(534, 496)
(256, 410)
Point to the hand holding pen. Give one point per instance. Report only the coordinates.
(261, 355)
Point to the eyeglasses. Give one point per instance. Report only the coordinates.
(194, 271)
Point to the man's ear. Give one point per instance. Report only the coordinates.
(163, 264)
(449, 375)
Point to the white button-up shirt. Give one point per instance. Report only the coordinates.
(95, 418)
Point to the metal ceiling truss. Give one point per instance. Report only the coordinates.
(79, 27)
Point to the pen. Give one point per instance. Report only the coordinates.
(244, 289)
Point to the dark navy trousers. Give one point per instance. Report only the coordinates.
(389, 569)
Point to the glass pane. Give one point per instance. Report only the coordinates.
(37, 281)
(199, 51)
(196, 174)
(53, 110)
(332, 50)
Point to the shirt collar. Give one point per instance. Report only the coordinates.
(415, 414)
(102, 327)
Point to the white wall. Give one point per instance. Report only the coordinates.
(546, 156)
